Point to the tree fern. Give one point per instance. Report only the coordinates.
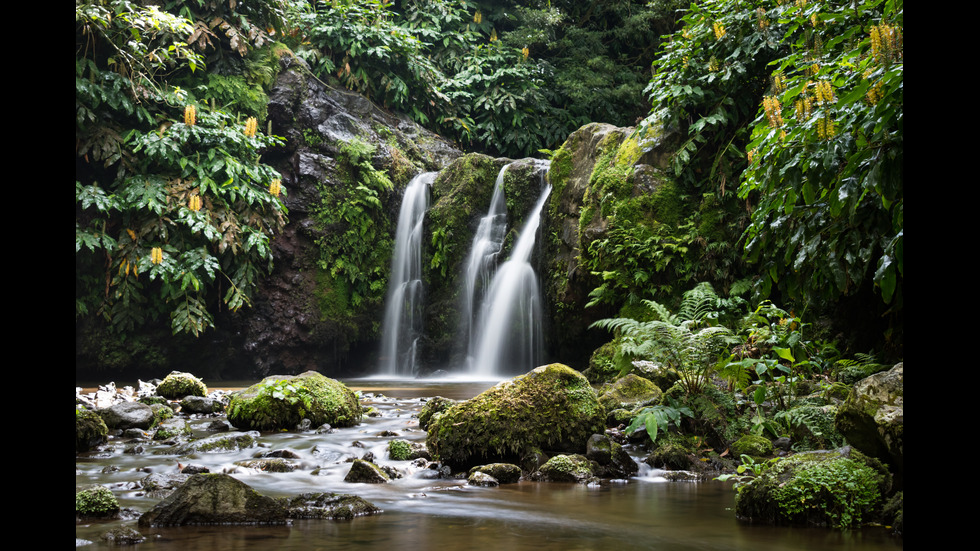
(680, 342)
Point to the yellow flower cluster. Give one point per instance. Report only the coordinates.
(874, 93)
(763, 20)
(493, 35)
(478, 18)
(156, 255)
(778, 83)
(825, 127)
(719, 30)
(886, 42)
(804, 106)
(813, 20)
(824, 91)
(190, 115)
(132, 234)
(751, 154)
(275, 187)
(774, 111)
(195, 203)
(813, 69)
(525, 51)
(251, 126)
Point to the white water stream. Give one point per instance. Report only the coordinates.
(403, 313)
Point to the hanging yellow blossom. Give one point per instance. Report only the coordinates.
(874, 93)
(763, 20)
(156, 255)
(251, 125)
(825, 127)
(886, 42)
(132, 234)
(493, 35)
(824, 91)
(813, 20)
(275, 187)
(778, 83)
(195, 203)
(719, 30)
(190, 115)
(525, 51)
(478, 18)
(774, 111)
(751, 154)
(804, 106)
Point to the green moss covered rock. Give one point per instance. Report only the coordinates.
(96, 501)
(551, 408)
(629, 392)
(839, 489)
(177, 385)
(90, 430)
(752, 445)
(282, 401)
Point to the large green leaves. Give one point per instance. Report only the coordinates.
(828, 179)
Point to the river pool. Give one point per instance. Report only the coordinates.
(644, 512)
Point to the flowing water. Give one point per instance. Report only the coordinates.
(482, 261)
(403, 313)
(511, 325)
(645, 512)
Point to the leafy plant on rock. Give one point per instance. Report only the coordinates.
(173, 209)
(685, 342)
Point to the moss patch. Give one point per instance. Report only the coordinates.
(551, 408)
(281, 402)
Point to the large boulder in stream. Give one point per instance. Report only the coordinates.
(215, 499)
(550, 409)
(283, 401)
(840, 488)
(873, 418)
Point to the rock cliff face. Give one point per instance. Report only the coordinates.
(345, 164)
(604, 177)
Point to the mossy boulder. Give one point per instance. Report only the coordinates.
(90, 430)
(503, 473)
(399, 450)
(551, 408)
(96, 501)
(752, 445)
(283, 401)
(214, 499)
(178, 385)
(328, 506)
(841, 489)
(433, 407)
(629, 392)
(872, 419)
(366, 472)
(567, 468)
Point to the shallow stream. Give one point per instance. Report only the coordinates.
(645, 512)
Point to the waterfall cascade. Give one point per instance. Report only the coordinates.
(502, 313)
(403, 313)
(510, 328)
(482, 262)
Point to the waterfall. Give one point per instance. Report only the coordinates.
(403, 313)
(487, 242)
(510, 337)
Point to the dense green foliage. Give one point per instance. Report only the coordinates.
(827, 177)
(506, 77)
(823, 182)
(173, 209)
